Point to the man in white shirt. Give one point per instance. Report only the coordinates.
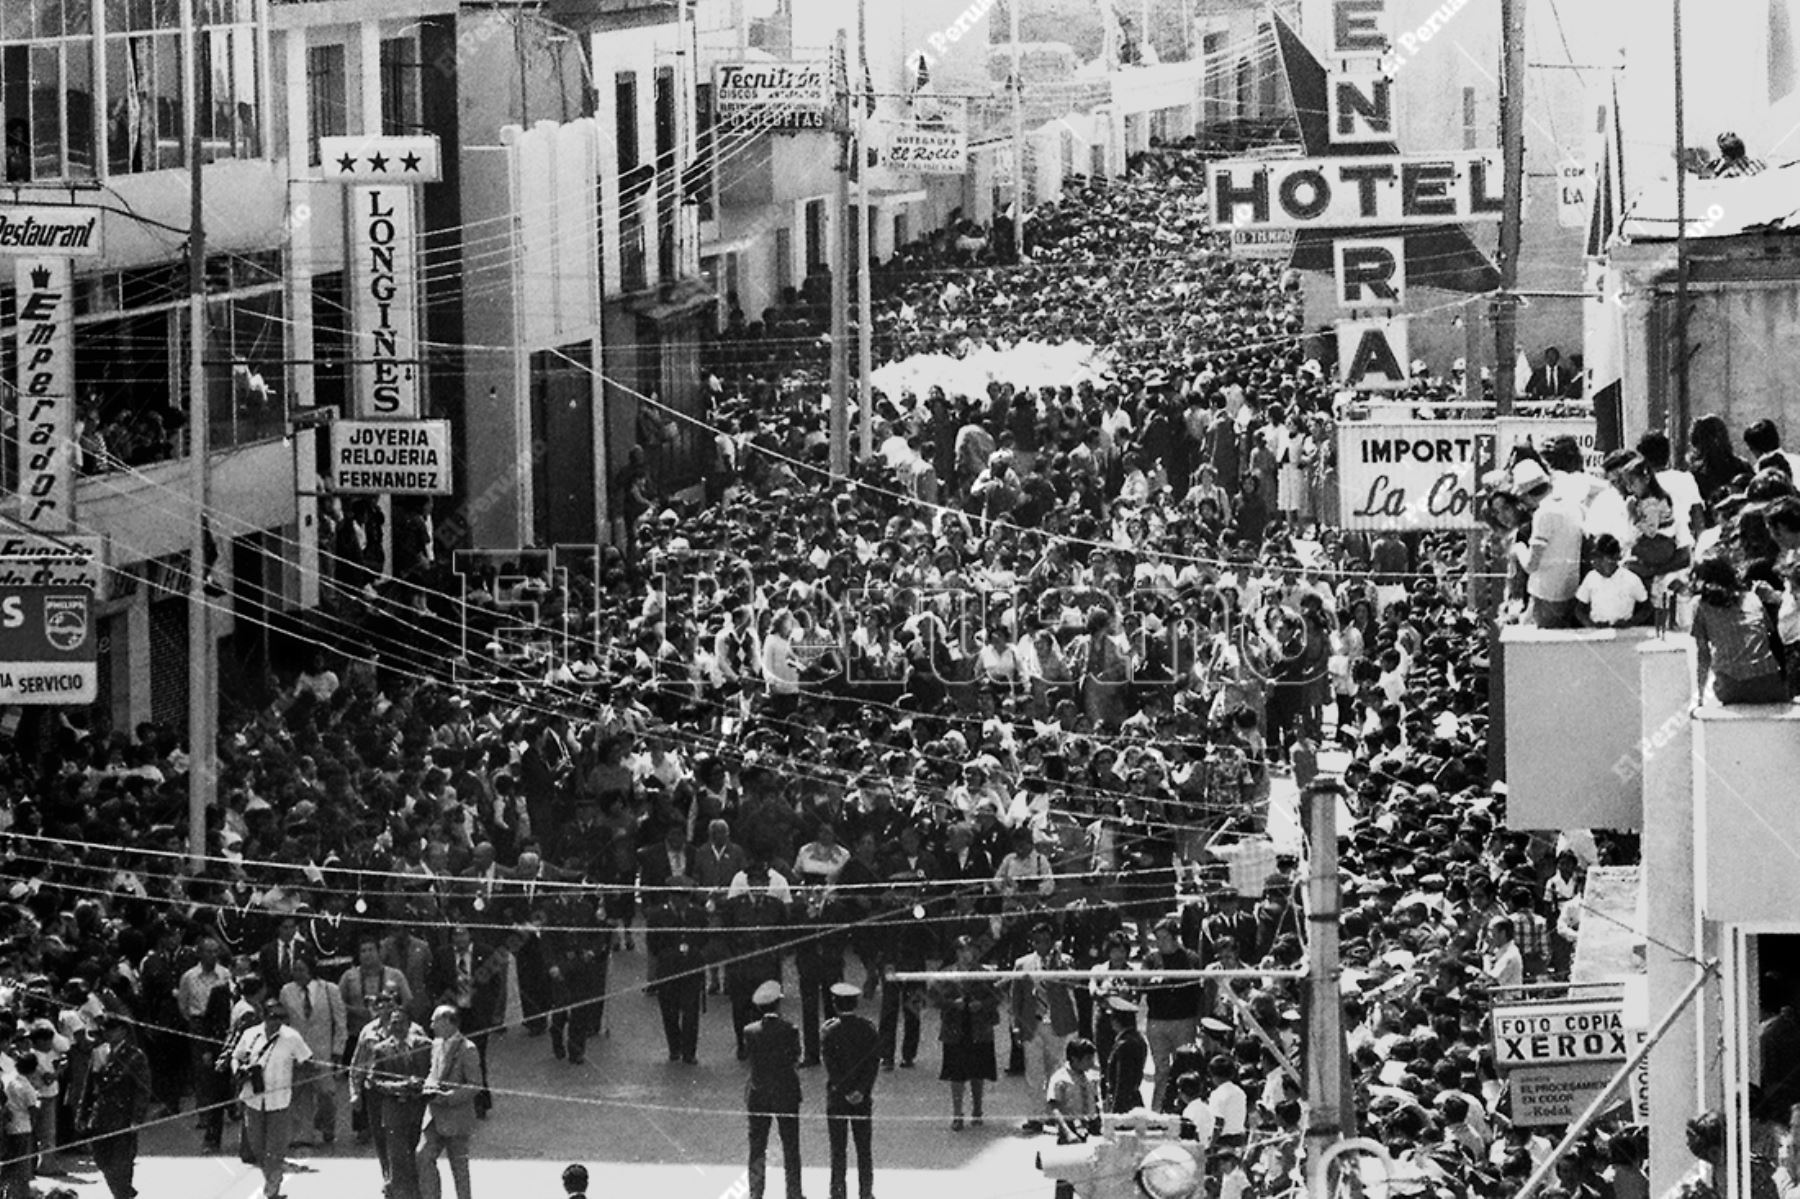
(316, 1009)
(263, 1065)
(1503, 963)
(1229, 1105)
(1552, 558)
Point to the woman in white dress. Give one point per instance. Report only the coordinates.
(1290, 480)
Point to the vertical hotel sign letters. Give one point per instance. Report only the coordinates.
(387, 358)
(42, 239)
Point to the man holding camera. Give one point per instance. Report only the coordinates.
(263, 1068)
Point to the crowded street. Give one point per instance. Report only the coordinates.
(979, 615)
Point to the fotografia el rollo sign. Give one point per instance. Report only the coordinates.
(48, 653)
(1412, 476)
(45, 398)
(774, 95)
(1346, 193)
(382, 457)
(1563, 1033)
(928, 151)
(385, 303)
(68, 231)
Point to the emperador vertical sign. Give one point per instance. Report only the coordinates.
(46, 400)
(386, 303)
(42, 238)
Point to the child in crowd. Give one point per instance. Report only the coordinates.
(1073, 1097)
(1608, 597)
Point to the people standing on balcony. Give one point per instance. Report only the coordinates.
(1551, 554)
(1734, 653)
(1715, 465)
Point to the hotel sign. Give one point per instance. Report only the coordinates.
(1348, 193)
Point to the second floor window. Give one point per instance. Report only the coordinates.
(47, 89)
(326, 99)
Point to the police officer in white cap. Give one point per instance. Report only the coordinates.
(1124, 1078)
(851, 1047)
(772, 1047)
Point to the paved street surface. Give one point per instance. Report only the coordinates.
(643, 1126)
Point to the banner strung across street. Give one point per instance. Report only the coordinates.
(46, 387)
(385, 303)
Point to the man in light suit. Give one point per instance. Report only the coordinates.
(315, 1011)
(450, 1090)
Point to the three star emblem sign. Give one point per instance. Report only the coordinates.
(378, 159)
(378, 163)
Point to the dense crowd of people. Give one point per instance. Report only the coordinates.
(1021, 693)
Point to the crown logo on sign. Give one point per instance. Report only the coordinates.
(40, 277)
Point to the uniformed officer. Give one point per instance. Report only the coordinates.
(576, 956)
(1124, 1089)
(672, 932)
(772, 1094)
(852, 1051)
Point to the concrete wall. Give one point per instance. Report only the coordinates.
(1574, 728)
(1745, 296)
(148, 513)
(1746, 824)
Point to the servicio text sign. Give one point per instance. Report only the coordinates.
(48, 652)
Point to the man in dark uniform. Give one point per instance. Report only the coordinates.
(772, 1047)
(1124, 1082)
(852, 1049)
(753, 924)
(576, 951)
(677, 967)
(818, 959)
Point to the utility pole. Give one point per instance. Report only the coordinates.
(1512, 148)
(1327, 1082)
(840, 282)
(1018, 131)
(865, 252)
(1680, 416)
(202, 695)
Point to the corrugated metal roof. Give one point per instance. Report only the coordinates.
(1765, 203)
